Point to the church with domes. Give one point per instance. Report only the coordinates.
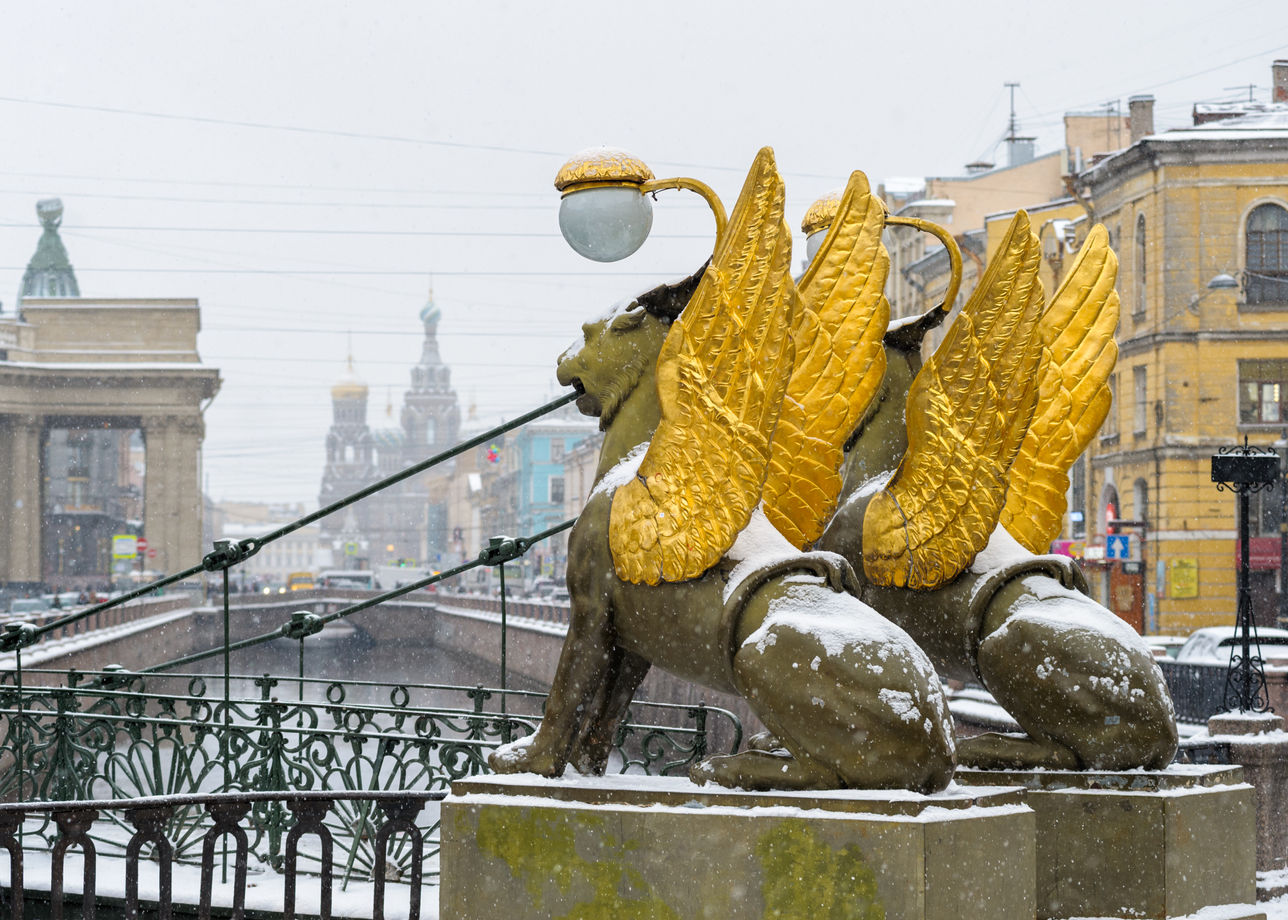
(405, 521)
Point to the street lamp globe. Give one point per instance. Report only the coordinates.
(818, 218)
(606, 223)
(604, 214)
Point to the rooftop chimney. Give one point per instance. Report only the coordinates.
(1140, 113)
(1280, 91)
(1019, 150)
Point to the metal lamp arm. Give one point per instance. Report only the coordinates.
(950, 244)
(692, 185)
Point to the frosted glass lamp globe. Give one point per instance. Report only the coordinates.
(812, 242)
(606, 224)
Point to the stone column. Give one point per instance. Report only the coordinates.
(20, 456)
(187, 548)
(172, 495)
(1258, 743)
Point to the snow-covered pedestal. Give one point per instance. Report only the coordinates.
(1151, 844)
(1257, 742)
(523, 847)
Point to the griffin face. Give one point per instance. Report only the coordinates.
(617, 350)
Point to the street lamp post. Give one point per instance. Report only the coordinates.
(1244, 470)
(1282, 620)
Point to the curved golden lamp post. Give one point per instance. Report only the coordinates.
(819, 216)
(606, 213)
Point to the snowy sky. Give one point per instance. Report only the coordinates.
(304, 169)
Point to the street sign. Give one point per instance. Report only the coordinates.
(142, 544)
(1118, 546)
(124, 546)
(152, 554)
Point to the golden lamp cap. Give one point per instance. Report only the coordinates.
(601, 166)
(822, 212)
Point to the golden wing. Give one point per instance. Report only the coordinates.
(968, 410)
(1074, 396)
(721, 375)
(839, 366)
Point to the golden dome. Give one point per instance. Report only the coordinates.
(350, 385)
(596, 165)
(822, 212)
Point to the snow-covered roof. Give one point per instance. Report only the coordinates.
(1272, 121)
(904, 185)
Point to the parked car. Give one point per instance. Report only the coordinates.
(1218, 644)
(1165, 646)
(28, 605)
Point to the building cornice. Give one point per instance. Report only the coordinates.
(1145, 343)
(1153, 153)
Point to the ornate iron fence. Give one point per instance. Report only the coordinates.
(225, 825)
(118, 735)
(1198, 690)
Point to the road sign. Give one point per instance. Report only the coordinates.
(124, 546)
(1118, 546)
(152, 554)
(142, 544)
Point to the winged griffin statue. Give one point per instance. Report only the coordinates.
(955, 484)
(788, 506)
(673, 563)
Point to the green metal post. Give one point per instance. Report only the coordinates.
(228, 715)
(505, 721)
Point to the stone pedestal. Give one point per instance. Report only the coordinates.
(523, 847)
(1137, 844)
(1258, 743)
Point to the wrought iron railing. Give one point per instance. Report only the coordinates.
(1197, 689)
(226, 824)
(121, 735)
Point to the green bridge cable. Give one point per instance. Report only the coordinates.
(20, 635)
(301, 625)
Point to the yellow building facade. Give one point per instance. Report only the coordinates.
(1199, 219)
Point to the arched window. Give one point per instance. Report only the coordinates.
(1141, 276)
(1140, 500)
(1109, 509)
(1267, 262)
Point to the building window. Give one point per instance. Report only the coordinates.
(1139, 311)
(556, 450)
(1110, 427)
(1078, 498)
(1140, 394)
(556, 490)
(1265, 510)
(1267, 262)
(1263, 398)
(1140, 500)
